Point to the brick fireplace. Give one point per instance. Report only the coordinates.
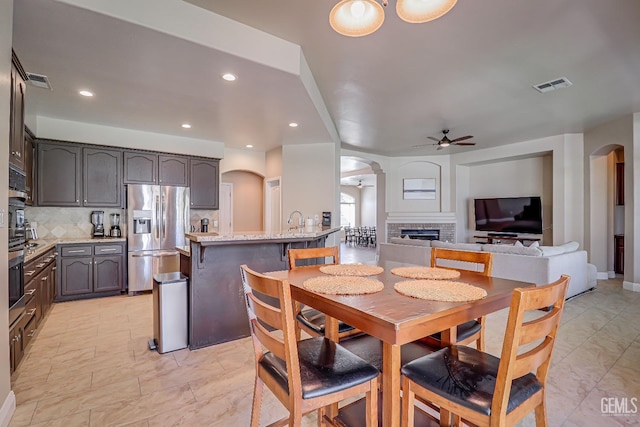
(444, 223)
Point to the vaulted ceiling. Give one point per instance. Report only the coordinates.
(157, 64)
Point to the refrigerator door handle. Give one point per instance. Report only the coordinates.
(141, 255)
(165, 253)
(157, 221)
(164, 217)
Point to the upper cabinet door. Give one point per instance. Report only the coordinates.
(140, 168)
(173, 170)
(102, 177)
(59, 175)
(16, 119)
(204, 183)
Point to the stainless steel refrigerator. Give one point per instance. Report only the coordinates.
(157, 220)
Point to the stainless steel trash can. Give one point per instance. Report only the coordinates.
(170, 312)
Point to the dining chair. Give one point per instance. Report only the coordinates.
(309, 319)
(482, 390)
(480, 262)
(307, 375)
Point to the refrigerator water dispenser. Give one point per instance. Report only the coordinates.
(141, 222)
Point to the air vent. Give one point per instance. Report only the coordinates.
(38, 80)
(559, 83)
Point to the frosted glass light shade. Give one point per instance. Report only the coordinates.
(419, 11)
(356, 18)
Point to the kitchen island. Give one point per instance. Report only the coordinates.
(212, 262)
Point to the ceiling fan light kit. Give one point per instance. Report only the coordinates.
(357, 18)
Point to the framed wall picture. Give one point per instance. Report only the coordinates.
(419, 188)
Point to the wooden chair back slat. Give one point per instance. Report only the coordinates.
(538, 358)
(268, 340)
(310, 253)
(529, 361)
(267, 313)
(485, 259)
(539, 328)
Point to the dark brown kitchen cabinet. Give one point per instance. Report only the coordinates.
(16, 113)
(59, 174)
(29, 156)
(91, 270)
(140, 168)
(102, 177)
(17, 343)
(204, 182)
(173, 170)
(149, 168)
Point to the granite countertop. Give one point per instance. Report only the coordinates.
(259, 236)
(45, 245)
(184, 250)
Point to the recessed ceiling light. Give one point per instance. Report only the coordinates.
(293, 125)
(249, 146)
(229, 77)
(85, 93)
(186, 125)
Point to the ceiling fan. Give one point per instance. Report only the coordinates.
(445, 141)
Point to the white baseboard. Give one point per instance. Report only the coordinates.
(604, 275)
(7, 409)
(630, 286)
(612, 274)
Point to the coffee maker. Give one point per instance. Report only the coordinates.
(115, 225)
(97, 219)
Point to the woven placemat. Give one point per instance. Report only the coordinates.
(440, 290)
(351, 270)
(343, 285)
(434, 273)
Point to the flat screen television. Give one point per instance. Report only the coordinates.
(509, 215)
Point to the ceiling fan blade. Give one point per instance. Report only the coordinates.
(440, 147)
(462, 138)
(433, 139)
(464, 143)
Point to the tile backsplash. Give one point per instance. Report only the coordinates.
(58, 223)
(73, 223)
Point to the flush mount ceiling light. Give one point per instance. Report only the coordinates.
(356, 18)
(85, 93)
(186, 125)
(293, 125)
(229, 77)
(249, 146)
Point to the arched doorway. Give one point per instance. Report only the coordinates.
(606, 210)
(248, 200)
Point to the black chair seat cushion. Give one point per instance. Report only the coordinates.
(465, 330)
(468, 377)
(370, 349)
(325, 367)
(315, 320)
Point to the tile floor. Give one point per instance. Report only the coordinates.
(90, 365)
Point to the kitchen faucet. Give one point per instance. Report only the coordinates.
(290, 220)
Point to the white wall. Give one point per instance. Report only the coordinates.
(309, 180)
(400, 168)
(567, 177)
(368, 206)
(7, 398)
(243, 160)
(508, 178)
(49, 128)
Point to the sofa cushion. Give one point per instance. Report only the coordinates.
(512, 249)
(412, 242)
(460, 246)
(560, 249)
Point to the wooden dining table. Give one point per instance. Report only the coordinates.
(397, 319)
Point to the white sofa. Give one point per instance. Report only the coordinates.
(540, 265)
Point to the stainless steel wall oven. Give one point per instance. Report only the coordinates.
(17, 238)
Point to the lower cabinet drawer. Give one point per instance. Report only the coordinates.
(76, 251)
(31, 308)
(30, 290)
(29, 331)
